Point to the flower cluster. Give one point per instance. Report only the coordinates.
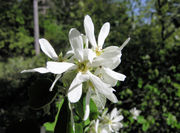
(135, 113)
(109, 122)
(93, 67)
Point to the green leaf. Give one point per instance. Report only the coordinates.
(93, 110)
(145, 126)
(79, 108)
(39, 94)
(141, 120)
(177, 86)
(171, 120)
(50, 126)
(63, 124)
(79, 127)
(99, 100)
(140, 83)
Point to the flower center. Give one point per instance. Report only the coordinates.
(82, 66)
(98, 51)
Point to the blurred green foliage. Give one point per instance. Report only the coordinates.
(150, 61)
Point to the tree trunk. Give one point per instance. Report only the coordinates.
(36, 27)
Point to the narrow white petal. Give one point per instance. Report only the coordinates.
(110, 128)
(87, 109)
(125, 43)
(114, 75)
(85, 41)
(113, 113)
(75, 89)
(103, 88)
(89, 30)
(79, 55)
(72, 117)
(40, 70)
(59, 67)
(75, 39)
(48, 49)
(53, 84)
(103, 34)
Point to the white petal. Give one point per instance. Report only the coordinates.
(59, 67)
(48, 49)
(114, 75)
(104, 131)
(103, 34)
(75, 94)
(53, 84)
(118, 118)
(85, 40)
(72, 117)
(110, 128)
(103, 88)
(89, 30)
(105, 77)
(69, 54)
(110, 52)
(116, 62)
(109, 58)
(89, 55)
(79, 55)
(87, 109)
(99, 99)
(114, 113)
(117, 126)
(75, 89)
(106, 62)
(97, 125)
(125, 43)
(75, 39)
(40, 70)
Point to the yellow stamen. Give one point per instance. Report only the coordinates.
(98, 51)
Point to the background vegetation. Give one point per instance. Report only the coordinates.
(150, 61)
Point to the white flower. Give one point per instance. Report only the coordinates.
(50, 52)
(108, 58)
(135, 113)
(110, 52)
(110, 123)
